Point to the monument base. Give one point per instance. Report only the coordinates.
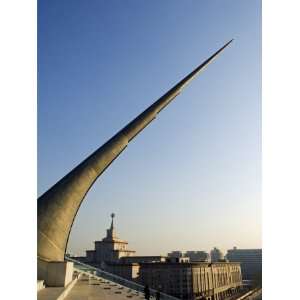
(55, 273)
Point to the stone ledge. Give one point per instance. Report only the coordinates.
(55, 293)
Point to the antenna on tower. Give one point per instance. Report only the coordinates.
(112, 220)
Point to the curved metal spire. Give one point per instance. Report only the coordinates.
(58, 206)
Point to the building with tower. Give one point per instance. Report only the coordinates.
(112, 255)
(109, 250)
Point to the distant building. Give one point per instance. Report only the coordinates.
(176, 254)
(175, 259)
(142, 259)
(192, 280)
(251, 262)
(216, 255)
(193, 256)
(197, 256)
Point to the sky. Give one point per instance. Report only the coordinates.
(192, 179)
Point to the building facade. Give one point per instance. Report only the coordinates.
(128, 271)
(251, 262)
(215, 281)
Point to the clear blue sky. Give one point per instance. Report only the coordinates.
(192, 179)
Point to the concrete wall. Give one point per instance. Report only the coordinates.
(55, 274)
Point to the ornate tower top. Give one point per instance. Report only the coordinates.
(110, 233)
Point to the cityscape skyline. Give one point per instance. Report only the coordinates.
(208, 250)
(212, 196)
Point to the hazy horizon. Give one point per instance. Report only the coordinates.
(192, 179)
(131, 244)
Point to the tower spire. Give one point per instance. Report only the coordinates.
(112, 221)
(110, 233)
(57, 207)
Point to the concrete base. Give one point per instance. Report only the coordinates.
(40, 285)
(55, 273)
